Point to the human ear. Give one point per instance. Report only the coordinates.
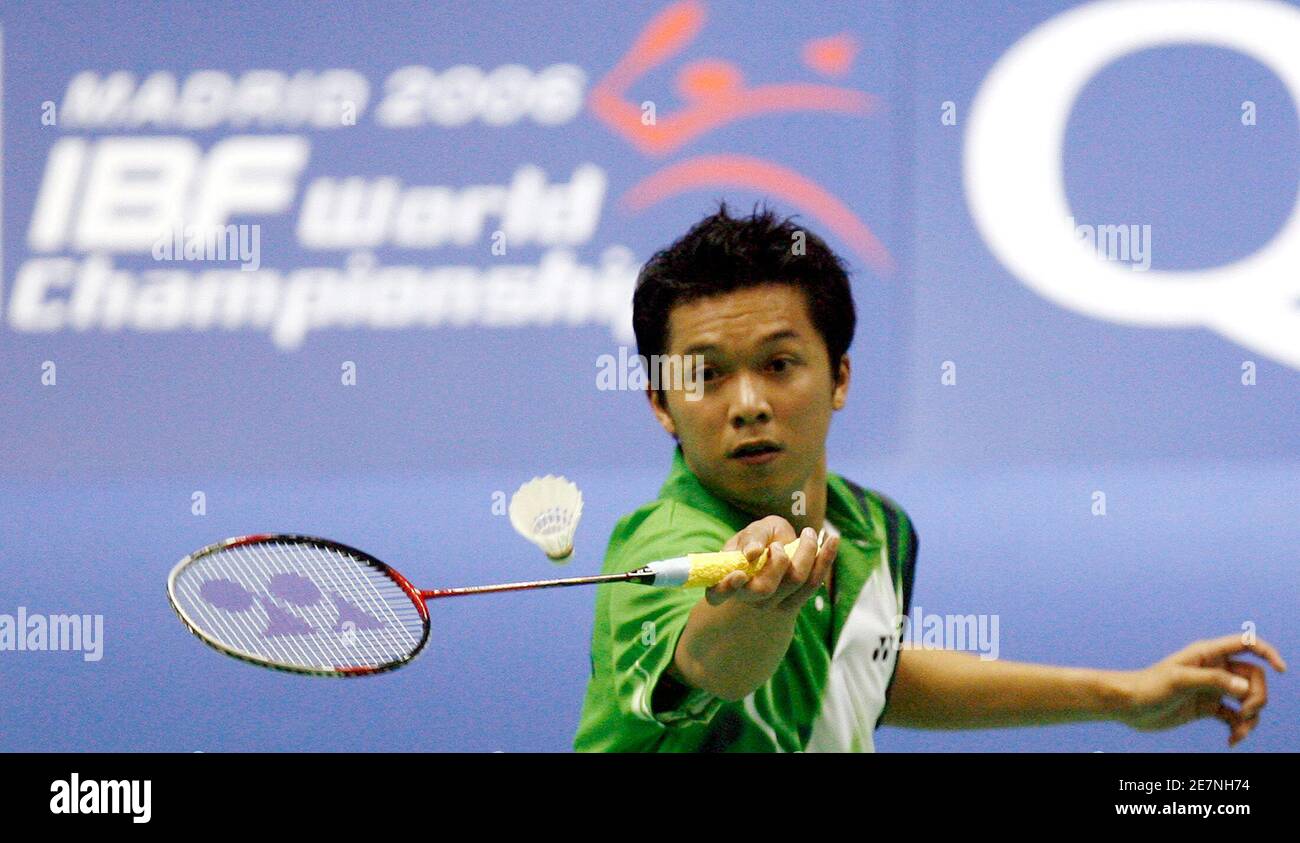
(665, 419)
(840, 390)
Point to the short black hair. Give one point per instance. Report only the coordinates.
(722, 253)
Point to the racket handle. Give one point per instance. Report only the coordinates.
(705, 570)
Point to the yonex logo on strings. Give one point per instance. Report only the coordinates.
(301, 604)
(298, 594)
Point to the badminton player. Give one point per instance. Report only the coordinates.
(805, 655)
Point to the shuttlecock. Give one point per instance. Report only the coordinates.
(545, 510)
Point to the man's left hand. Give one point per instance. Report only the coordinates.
(1192, 683)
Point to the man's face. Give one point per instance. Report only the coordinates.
(758, 432)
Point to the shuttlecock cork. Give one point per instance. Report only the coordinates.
(545, 510)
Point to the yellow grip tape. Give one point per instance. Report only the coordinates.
(709, 569)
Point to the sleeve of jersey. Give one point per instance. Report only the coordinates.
(646, 623)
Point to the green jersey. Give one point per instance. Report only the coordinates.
(827, 694)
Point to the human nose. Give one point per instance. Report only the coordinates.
(748, 405)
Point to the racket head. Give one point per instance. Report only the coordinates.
(301, 604)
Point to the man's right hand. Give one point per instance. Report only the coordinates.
(785, 583)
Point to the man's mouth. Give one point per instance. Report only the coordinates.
(755, 453)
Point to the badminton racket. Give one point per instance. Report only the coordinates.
(315, 606)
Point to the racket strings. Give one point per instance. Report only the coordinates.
(301, 605)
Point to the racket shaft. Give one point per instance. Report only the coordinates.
(630, 576)
(695, 570)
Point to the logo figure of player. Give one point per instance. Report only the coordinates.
(716, 95)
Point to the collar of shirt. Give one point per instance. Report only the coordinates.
(842, 507)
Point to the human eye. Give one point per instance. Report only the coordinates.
(781, 364)
(700, 369)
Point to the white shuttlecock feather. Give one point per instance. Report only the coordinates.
(545, 510)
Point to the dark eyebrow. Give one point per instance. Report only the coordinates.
(775, 336)
(786, 334)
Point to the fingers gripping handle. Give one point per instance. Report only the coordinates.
(704, 570)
